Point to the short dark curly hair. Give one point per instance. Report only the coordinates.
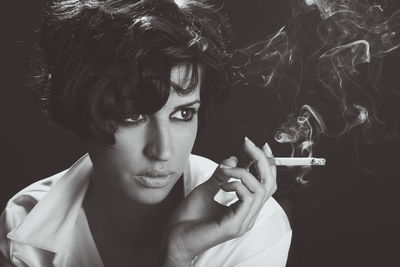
(102, 61)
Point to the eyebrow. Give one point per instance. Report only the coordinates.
(197, 101)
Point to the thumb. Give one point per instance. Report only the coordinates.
(231, 162)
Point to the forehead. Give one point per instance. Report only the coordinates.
(181, 75)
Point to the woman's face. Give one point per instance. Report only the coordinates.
(151, 150)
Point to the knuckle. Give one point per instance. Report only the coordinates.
(267, 196)
(271, 186)
(241, 173)
(274, 188)
(250, 198)
(236, 184)
(261, 190)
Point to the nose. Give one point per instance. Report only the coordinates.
(159, 142)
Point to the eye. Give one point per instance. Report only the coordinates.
(185, 114)
(135, 118)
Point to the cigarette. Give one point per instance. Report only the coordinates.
(297, 161)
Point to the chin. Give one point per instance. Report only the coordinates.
(149, 196)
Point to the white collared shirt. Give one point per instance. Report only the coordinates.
(45, 225)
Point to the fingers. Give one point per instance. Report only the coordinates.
(252, 197)
(258, 156)
(230, 162)
(268, 153)
(265, 171)
(260, 189)
(251, 192)
(248, 180)
(272, 185)
(213, 185)
(236, 222)
(244, 196)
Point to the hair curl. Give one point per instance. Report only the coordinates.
(105, 60)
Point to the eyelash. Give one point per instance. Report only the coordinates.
(193, 112)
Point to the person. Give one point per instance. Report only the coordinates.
(137, 81)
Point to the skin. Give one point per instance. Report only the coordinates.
(200, 223)
(159, 142)
(119, 207)
(146, 217)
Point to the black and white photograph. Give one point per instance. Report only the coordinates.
(204, 133)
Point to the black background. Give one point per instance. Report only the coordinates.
(348, 215)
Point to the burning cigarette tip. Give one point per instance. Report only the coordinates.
(318, 162)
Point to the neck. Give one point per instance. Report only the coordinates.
(124, 231)
(125, 215)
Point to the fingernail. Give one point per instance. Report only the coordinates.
(246, 139)
(224, 166)
(234, 158)
(268, 150)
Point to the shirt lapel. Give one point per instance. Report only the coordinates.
(49, 224)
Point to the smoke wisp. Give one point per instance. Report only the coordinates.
(334, 54)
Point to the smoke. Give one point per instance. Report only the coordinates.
(333, 52)
(352, 34)
(263, 60)
(301, 131)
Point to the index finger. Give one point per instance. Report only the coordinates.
(263, 168)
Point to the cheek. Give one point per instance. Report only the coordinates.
(127, 147)
(184, 139)
(121, 155)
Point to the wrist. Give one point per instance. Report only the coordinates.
(173, 261)
(173, 256)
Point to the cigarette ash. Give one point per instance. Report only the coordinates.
(333, 53)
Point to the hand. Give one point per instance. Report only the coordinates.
(200, 223)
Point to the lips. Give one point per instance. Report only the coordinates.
(156, 173)
(155, 178)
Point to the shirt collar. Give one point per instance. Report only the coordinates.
(49, 224)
